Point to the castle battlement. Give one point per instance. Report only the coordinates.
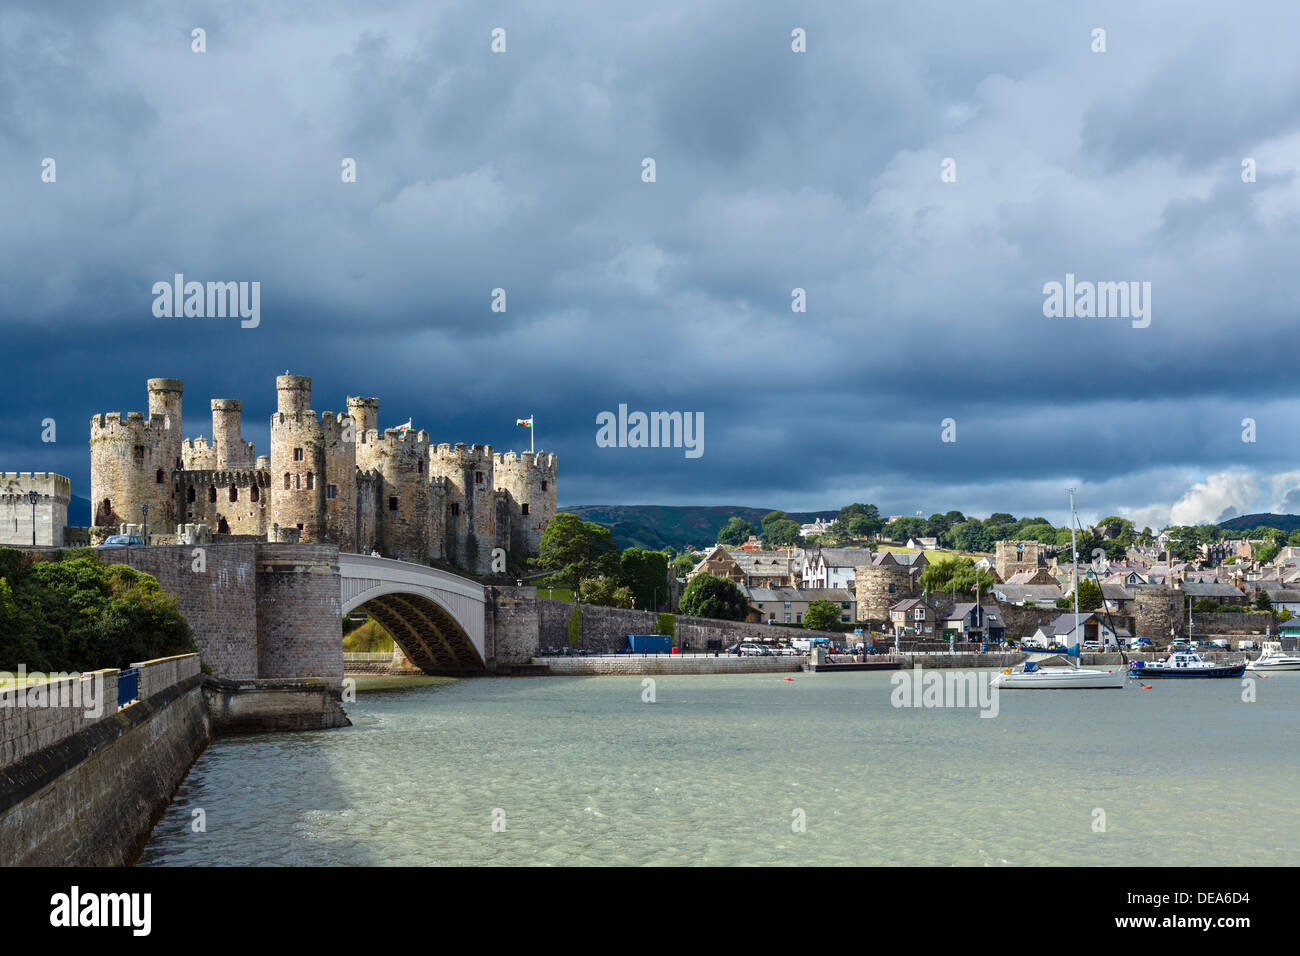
(221, 477)
(539, 461)
(128, 420)
(46, 483)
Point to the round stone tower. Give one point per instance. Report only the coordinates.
(132, 459)
(298, 467)
(879, 587)
(529, 482)
(228, 445)
(1156, 610)
(402, 523)
(468, 492)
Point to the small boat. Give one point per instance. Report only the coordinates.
(1184, 664)
(1031, 675)
(1271, 658)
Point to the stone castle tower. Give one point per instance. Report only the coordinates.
(333, 478)
(1016, 556)
(878, 587)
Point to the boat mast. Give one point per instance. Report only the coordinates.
(1075, 553)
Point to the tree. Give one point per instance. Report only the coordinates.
(645, 574)
(781, 533)
(736, 531)
(1266, 553)
(970, 536)
(955, 573)
(684, 563)
(605, 591)
(870, 524)
(1293, 540)
(1089, 597)
(1262, 603)
(821, 615)
(900, 529)
(572, 549)
(770, 517)
(710, 596)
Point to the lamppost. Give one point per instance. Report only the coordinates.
(144, 528)
(33, 496)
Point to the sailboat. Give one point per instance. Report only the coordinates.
(1030, 675)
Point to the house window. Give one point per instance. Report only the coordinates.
(891, 589)
(844, 605)
(844, 619)
(787, 617)
(798, 618)
(392, 502)
(523, 509)
(787, 604)
(297, 454)
(331, 492)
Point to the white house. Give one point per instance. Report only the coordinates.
(1062, 631)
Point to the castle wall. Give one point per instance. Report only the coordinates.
(401, 459)
(239, 497)
(51, 514)
(470, 517)
(1016, 556)
(880, 587)
(529, 481)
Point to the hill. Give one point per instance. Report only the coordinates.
(660, 526)
(1287, 523)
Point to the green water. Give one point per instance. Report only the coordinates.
(712, 772)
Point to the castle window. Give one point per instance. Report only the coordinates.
(392, 502)
(189, 495)
(138, 452)
(455, 508)
(297, 454)
(419, 467)
(311, 481)
(286, 481)
(212, 493)
(234, 493)
(331, 492)
(543, 486)
(158, 478)
(297, 482)
(523, 509)
(478, 477)
(253, 492)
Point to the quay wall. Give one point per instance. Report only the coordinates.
(82, 791)
(665, 664)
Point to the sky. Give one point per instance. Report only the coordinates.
(774, 170)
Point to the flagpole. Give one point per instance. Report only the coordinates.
(532, 434)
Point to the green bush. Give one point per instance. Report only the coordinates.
(79, 614)
(575, 626)
(666, 625)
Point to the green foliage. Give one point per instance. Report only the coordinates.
(970, 536)
(575, 626)
(780, 533)
(901, 529)
(1089, 597)
(709, 596)
(573, 549)
(736, 531)
(368, 638)
(645, 575)
(683, 563)
(666, 624)
(821, 615)
(605, 591)
(961, 573)
(1262, 603)
(79, 614)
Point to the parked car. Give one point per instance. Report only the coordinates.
(751, 650)
(122, 541)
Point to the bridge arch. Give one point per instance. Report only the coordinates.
(435, 617)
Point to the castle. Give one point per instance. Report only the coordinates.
(329, 478)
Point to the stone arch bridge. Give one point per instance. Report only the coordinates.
(435, 617)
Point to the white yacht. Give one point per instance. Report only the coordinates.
(1030, 675)
(1272, 658)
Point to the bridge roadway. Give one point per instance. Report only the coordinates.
(436, 618)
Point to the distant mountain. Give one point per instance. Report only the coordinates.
(1287, 523)
(79, 512)
(659, 526)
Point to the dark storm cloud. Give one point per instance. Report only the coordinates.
(775, 171)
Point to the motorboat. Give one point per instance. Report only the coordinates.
(1272, 658)
(1184, 664)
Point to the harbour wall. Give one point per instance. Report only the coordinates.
(77, 790)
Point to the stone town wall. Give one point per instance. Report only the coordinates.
(55, 491)
(92, 790)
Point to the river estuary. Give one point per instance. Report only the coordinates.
(722, 770)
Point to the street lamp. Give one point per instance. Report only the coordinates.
(144, 528)
(33, 496)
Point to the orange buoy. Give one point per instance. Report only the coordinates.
(787, 678)
(1146, 686)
